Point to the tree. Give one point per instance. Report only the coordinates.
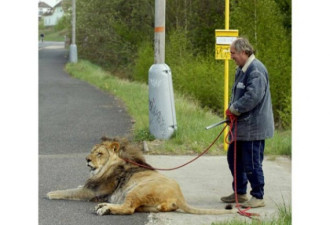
(261, 21)
(110, 31)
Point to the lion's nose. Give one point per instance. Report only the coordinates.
(88, 159)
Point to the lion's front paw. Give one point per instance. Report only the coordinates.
(102, 209)
(52, 195)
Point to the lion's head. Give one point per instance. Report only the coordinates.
(107, 163)
(101, 154)
(110, 152)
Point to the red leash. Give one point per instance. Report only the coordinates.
(177, 167)
(243, 212)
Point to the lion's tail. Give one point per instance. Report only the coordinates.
(189, 209)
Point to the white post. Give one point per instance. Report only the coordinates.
(160, 31)
(73, 47)
(162, 118)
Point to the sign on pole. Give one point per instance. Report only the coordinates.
(223, 40)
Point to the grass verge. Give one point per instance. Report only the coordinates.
(280, 144)
(51, 34)
(191, 136)
(283, 217)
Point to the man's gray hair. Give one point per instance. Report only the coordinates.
(243, 45)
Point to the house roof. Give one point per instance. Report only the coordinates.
(43, 5)
(50, 12)
(58, 4)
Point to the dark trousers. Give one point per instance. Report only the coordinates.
(249, 156)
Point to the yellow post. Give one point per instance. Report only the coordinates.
(223, 40)
(226, 81)
(227, 15)
(225, 101)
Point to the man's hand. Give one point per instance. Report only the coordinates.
(230, 115)
(234, 111)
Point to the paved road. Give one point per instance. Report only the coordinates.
(73, 115)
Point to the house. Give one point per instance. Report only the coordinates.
(43, 8)
(56, 13)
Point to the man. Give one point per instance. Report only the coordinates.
(42, 37)
(251, 103)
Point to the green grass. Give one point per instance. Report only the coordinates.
(280, 144)
(283, 217)
(191, 136)
(51, 34)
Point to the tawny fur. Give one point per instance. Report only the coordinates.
(127, 187)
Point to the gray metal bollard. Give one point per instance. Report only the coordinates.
(162, 119)
(73, 55)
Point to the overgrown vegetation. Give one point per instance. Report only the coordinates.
(120, 39)
(263, 23)
(191, 136)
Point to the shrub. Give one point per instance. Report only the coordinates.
(63, 23)
(143, 61)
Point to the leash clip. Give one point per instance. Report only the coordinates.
(217, 124)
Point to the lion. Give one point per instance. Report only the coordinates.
(128, 188)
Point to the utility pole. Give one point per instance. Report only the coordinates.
(73, 57)
(162, 118)
(160, 7)
(223, 39)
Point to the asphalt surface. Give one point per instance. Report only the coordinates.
(73, 116)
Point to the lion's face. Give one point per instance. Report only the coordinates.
(101, 154)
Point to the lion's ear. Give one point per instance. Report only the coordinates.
(115, 146)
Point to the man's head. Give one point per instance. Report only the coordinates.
(240, 51)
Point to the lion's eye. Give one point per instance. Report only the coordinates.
(99, 154)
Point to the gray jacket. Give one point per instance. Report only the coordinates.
(251, 101)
